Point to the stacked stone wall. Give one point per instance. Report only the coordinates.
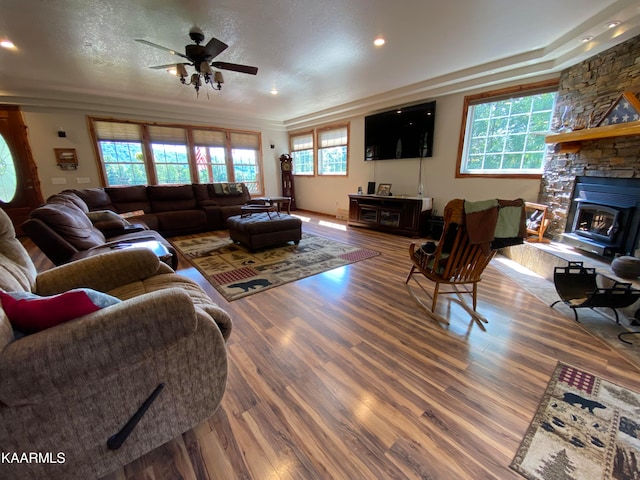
(588, 90)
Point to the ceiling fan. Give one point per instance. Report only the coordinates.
(200, 57)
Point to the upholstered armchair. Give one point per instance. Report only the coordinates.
(86, 396)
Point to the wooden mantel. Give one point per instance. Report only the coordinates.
(569, 142)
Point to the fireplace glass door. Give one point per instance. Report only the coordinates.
(597, 222)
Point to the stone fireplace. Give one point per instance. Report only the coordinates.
(588, 89)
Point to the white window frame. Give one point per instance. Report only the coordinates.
(317, 141)
(333, 140)
(504, 98)
(303, 145)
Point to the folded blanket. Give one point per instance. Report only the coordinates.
(491, 220)
(481, 219)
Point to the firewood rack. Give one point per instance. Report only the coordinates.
(577, 288)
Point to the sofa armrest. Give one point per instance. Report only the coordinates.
(53, 245)
(102, 272)
(99, 216)
(94, 346)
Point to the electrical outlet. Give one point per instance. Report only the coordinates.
(83, 179)
(58, 181)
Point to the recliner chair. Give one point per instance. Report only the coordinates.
(94, 393)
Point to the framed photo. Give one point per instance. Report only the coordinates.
(384, 189)
(66, 158)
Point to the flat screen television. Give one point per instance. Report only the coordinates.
(401, 133)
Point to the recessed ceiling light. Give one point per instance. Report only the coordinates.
(378, 42)
(586, 39)
(613, 24)
(8, 44)
(274, 91)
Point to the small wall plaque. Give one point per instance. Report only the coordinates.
(66, 158)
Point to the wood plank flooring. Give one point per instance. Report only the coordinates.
(342, 376)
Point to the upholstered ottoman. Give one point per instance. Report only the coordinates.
(264, 230)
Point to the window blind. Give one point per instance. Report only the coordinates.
(122, 132)
(333, 138)
(302, 142)
(245, 140)
(167, 135)
(210, 138)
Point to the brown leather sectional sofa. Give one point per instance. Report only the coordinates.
(81, 222)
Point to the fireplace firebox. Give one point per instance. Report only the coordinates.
(604, 216)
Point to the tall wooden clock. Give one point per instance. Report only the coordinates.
(286, 168)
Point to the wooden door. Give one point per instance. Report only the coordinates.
(19, 184)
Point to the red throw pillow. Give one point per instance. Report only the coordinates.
(31, 313)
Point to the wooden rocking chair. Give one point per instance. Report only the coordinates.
(454, 262)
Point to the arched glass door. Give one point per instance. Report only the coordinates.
(8, 177)
(19, 184)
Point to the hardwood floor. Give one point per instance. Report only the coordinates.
(342, 376)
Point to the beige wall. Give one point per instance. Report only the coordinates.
(44, 123)
(318, 194)
(328, 194)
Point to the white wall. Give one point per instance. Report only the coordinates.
(327, 194)
(319, 194)
(43, 124)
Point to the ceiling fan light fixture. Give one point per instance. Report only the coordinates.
(205, 69)
(199, 57)
(8, 44)
(180, 70)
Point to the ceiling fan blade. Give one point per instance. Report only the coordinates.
(154, 45)
(215, 47)
(234, 67)
(164, 67)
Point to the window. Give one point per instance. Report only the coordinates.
(169, 149)
(504, 131)
(332, 151)
(211, 160)
(133, 153)
(302, 153)
(244, 150)
(120, 146)
(332, 145)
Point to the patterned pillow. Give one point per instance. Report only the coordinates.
(31, 313)
(228, 188)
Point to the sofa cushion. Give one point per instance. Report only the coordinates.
(129, 199)
(71, 223)
(227, 199)
(228, 188)
(32, 313)
(182, 221)
(171, 198)
(95, 198)
(200, 192)
(69, 198)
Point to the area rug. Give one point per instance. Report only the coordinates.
(585, 428)
(236, 272)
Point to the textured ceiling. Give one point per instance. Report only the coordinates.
(318, 54)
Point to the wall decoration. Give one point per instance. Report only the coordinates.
(625, 109)
(66, 158)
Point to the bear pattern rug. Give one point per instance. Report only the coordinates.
(585, 428)
(236, 272)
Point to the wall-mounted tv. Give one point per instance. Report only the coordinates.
(401, 133)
